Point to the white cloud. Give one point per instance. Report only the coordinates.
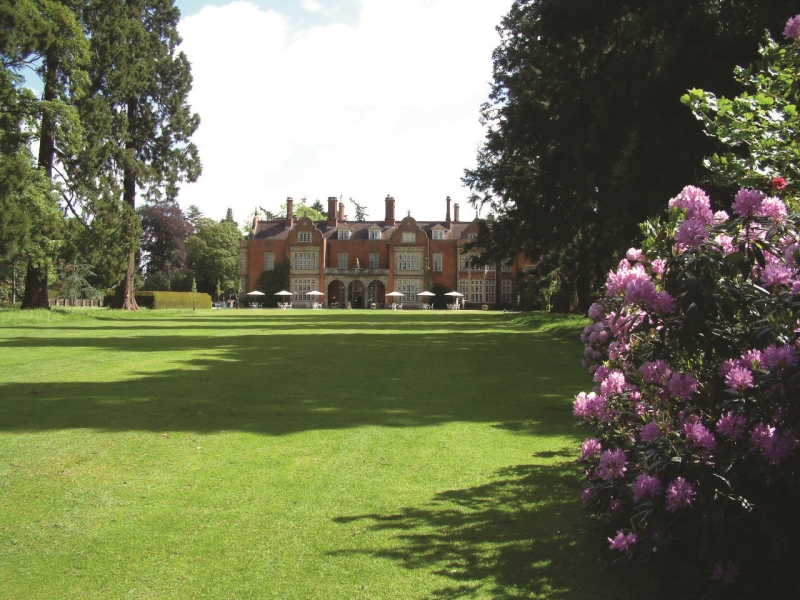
(390, 105)
(312, 6)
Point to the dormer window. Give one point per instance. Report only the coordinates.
(409, 237)
(304, 237)
(438, 234)
(472, 236)
(374, 234)
(344, 234)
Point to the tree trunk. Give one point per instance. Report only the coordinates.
(125, 297)
(35, 288)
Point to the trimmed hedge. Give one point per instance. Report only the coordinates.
(164, 300)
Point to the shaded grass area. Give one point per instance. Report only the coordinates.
(324, 454)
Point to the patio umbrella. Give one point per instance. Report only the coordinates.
(426, 294)
(254, 293)
(283, 293)
(456, 295)
(315, 293)
(395, 294)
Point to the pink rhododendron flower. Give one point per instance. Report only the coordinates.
(656, 371)
(732, 425)
(589, 405)
(792, 30)
(596, 311)
(615, 507)
(779, 356)
(761, 436)
(680, 494)
(601, 373)
(613, 463)
(651, 431)
(699, 436)
(726, 243)
(779, 183)
(773, 209)
(613, 384)
(692, 233)
(720, 217)
(695, 202)
(586, 496)
(635, 255)
(739, 379)
(747, 202)
(776, 274)
(726, 573)
(664, 303)
(682, 385)
(646, 485)
(658, 266)
(623, 542)
(590, 449)
(774, 445)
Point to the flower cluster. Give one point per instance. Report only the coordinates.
(694, 354)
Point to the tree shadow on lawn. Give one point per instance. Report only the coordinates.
(279, 384)
(523, 535)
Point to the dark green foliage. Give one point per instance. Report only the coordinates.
(586, 132)
(274, 281)
(212, 254)
(165, 230)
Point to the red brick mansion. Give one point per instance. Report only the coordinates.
(357, 263)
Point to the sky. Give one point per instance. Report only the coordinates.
(349, 98)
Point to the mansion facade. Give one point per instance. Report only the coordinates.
(356, 263)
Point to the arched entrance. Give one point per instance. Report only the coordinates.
(376, 292)
(336, 291)
(355, 294)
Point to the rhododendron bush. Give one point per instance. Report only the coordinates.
(695, 418)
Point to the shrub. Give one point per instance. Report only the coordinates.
(695, 420)
(165, 300)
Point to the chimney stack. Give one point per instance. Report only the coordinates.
(289, 215)
(389, 220)
(341, 212)
(331, 211)
(455, 212)
(447, 218)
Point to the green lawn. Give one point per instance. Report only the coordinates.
(294, 454)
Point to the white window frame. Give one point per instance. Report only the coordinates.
(505, 290)
(408, 261)
(410, 288)
(243, 260)
(438, 234)
(463, 262)
(301, 287)
(344, 260)
(374, 260)
(490, 289)
(409, 237)
(507, 266)
(476, 290)
(344, 234)
(269, 261)
(305, 261)
(438, 262)
(304, 237)
(374, 234)
(463, 287)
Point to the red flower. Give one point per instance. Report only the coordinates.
(778, 183)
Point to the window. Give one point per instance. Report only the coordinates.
(374, 234)
(269, 261)
(505, 290)
(301, 287)
(490, 291)
(463, 262)
(304, 260)
(472, 236)
(304, 237)
(344, 234)
(463, 287)
(374, 260)
(490, 268)
(438, 262)
(243, 260)
(476, 290)
(242, 284)
(343, 258)
(438, 234)
(507, 267)
(409, 237)
(408, 261)
(410, 288)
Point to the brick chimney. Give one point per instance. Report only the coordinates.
(289, 215)
(331, 222)
(341, 212)
(447, 218)
(389, 220)
(455, 212)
